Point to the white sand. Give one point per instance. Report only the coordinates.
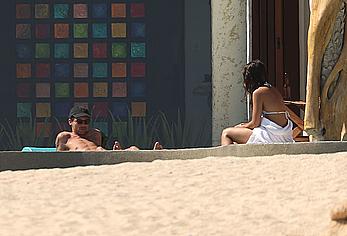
(279, 195)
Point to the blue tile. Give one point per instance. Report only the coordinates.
(138, 30)
(61, 71)
(99, 10)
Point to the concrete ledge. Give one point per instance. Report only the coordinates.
(40, 160)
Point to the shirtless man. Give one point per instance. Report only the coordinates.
(82, 137)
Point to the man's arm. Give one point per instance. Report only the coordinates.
(61, 140)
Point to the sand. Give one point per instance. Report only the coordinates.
(278, 195)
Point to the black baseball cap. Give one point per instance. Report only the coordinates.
(79, 111)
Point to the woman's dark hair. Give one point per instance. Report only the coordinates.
(254, 76)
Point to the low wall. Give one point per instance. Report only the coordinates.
(39, 160)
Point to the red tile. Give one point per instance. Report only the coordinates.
(42, 70)
(99, 50)
(137, 10)
(138, 69)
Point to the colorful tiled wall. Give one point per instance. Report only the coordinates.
(86, 52)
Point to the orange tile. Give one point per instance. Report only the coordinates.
(80, 50)
(119, 70)
(43, 110)
(81, 90)
(138, 109)
(118, 10)
(119, 30)
(23, 71)
(61, 31)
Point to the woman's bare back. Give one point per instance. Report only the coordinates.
(273, 102)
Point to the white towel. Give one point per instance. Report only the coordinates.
(270, 132)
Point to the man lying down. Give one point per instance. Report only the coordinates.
(84, 138)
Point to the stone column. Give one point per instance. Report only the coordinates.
(229, 52)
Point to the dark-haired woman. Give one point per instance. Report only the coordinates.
(270, 121)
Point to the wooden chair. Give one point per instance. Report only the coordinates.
(297, 120)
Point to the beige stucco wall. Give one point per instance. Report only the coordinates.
(229, 51)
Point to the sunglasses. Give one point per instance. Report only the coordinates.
(85, 122)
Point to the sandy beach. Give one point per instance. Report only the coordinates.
(277, 195)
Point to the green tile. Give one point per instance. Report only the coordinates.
(61, 50)
(42, 50)
(62, 90)
(80, 30)
(119, 50)
(24, 110)
(138, 50)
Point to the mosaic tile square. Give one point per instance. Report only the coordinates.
(42, 50)
(41, 11)
(99, 10)
(62, 90)
(119, 50)
(137, 10)
(43, 110)
(61, 11)
(138, 69)
(99, 30)
(62, 109)
(119, 128)
(118, 10)
(119, 89)
(23, 31)
(100, 109)
(23, 90)
(99, 70)
(80, 10)
(61, 71)
(119, 70)
(80, 30)
(81, 90)
(138, 109)
(100, 89)
(138, 30)
(61, 31)
(61, 50)
(120, 109)
(99, 50)
(138, 50)
(23, 11)
(43, 129)
(102, 126)
(23, 51)
(23, 70)
(80, 50)
(24, 110)
(43, 70)
(81, 70)
(138, 89)
(43, 90)
(119, 30)
(42, 31)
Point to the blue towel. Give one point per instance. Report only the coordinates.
(39, 149)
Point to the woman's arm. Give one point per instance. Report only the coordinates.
(256, 112)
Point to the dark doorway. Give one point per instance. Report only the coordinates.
(275, 32)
